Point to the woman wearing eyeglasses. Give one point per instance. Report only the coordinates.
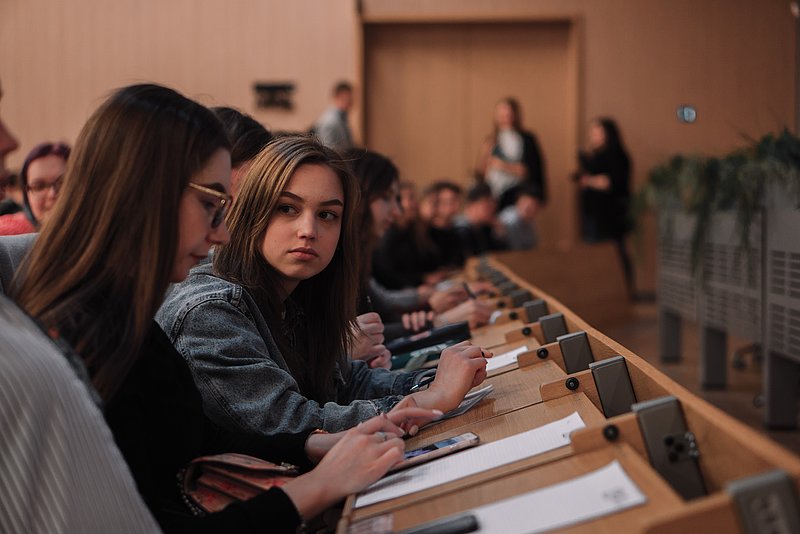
(151, 171)
(40, 177)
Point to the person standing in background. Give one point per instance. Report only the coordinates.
(510, 157)
(604, 181)
(333, 128)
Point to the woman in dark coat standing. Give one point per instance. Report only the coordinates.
(604, 181)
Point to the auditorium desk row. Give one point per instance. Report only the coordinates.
(690, 465)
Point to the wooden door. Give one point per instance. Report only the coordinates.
(430, 91)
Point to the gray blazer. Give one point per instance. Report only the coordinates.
(240, 372)
(12, 250)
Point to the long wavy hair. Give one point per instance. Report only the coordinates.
(328, 299)
(101, 265)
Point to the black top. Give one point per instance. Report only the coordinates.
(448, 247)
(399, 261)
(604, 214)
(534, 177)
(158, 423)
(477, 240)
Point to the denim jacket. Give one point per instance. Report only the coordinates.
(241, 374)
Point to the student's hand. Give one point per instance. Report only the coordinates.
(416, 321)
(409, 417)
(476, 312)
(461, 368)
(441, 301)
(362, 455)
(368, 342)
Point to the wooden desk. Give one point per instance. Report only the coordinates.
(492, 430)
(514, 390)
(728, 450)
(661, 497)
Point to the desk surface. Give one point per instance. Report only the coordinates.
(492, 430)
(661, 498)
(513, 390)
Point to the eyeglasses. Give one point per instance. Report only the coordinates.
(224, 201)
(41, 187)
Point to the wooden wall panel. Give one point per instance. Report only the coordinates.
(59, 59)
(640, 59)
(431, 91)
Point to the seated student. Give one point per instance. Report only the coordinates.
(446, 203)
(378, 178)
(62, 471)
(247, 137)
(266, 329)
(11, 195)
(476, 226)
(518, 221)
(403, 257)
(40, 181)
(95, 277)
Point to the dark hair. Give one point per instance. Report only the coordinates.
(613, 137)
(443, 185)
(341, 87)
(328, 300)
(375, 174)
(520, 190)
(479, 192)
(41, 150)
(98, 274)
(513, 103)
(247, 136)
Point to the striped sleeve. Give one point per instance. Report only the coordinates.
(60, 470)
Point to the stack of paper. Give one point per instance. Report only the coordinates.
(475, 460)
(507, 359)
(603, 492)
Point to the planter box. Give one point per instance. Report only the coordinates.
(782, 309)
(730, 297)
(675, 283)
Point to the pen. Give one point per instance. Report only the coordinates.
(370, 308)
(422, 383)
(470, 294)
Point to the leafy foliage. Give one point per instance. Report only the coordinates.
(702, 186)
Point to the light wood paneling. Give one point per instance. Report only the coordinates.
(431, 91)
(59, 59)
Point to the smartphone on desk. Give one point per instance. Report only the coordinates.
(437, 450)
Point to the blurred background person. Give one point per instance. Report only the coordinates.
(40, 180)
(476, 226)
(518, 221)
(604, 181)
(510, 156)
(247, 136)
(333, 127)
(10, 188)
(405, 256)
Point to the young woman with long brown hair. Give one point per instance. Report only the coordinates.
(267, 328)
(150, 171)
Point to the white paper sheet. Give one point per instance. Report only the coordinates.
(505, 360)
(596, 494)
(481, 458)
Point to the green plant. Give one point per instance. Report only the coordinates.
(702, 186)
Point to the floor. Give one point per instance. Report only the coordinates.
(742, 397)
